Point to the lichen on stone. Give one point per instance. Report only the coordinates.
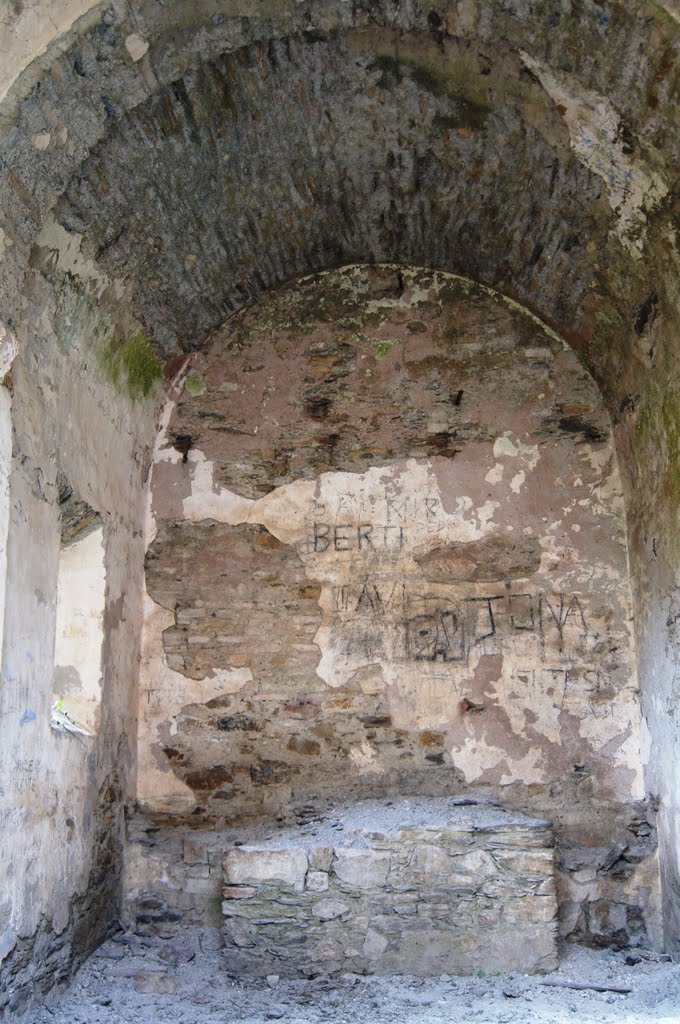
(194, 384)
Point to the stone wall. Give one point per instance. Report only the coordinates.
(426, 887)
(62, 795)
(174, 878)
(389, 556)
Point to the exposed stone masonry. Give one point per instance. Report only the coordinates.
(444, 889)
(389, 558)
(418, 865)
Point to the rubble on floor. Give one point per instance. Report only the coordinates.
(148, 980)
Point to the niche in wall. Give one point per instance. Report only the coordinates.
(80, 611)
(391, 543)
(390, 558)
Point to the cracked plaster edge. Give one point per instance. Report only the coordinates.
(633, 188)
(208, 501)
(156, 783)
(53, 22)
(467, 283)
(9, 347)
(66, 252)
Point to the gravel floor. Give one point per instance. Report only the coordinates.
(184, 981)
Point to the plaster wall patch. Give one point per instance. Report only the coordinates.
(136, 46)
(474, 757)
(517, 481)
(594, 125)
(64, 249)
(163, 694)
(453, 593)
(505, 447)
(8, 350)
(363, 757)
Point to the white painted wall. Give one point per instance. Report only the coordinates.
(5, 463)
(80, 628)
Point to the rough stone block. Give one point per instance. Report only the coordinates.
(328, 910)
(202, 886)
(157, 983)
(364, 868)
(317, 881)
(238, 892)
(198, 871)
(246, 865)
(408, 898)
(375, 945)
(429, 858)
(321, 858)
(195, 852)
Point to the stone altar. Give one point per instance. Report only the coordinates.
(426, 886)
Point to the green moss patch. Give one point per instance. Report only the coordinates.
(390, 71)
(194, 384)
(468, 113)
(133, 365)
(383, 348)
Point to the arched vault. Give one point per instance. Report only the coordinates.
(164, 164)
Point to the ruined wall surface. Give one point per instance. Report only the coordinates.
(533, 147)
(28, 27)
(389, 556)
(650, 445)
(377, 887)
(142, 110)
(62, 796)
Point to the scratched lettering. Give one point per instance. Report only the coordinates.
(438, 637)
(364, 537)
(486, 622)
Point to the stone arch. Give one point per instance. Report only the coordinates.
(129, 135)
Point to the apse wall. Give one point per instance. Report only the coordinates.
(389, 556)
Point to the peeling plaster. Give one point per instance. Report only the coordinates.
(594, 125)
(64, 251)
(505, 446)
(505, 671)
(28, 30)
(286, 511)
(364, 757)
(164, 693)
(8, 350)
(167, 691)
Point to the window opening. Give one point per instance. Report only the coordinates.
(80, 616)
